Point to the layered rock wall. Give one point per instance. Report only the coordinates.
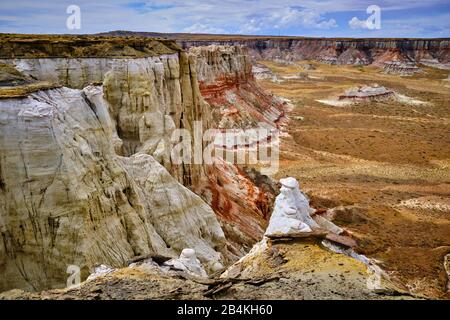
(357, 51)
(86, 172)
(68, 199)
(149, 98)
(337, 51)
(81, 177)
(227, 84)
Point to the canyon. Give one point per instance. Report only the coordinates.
(87, 176)
(339, 51)
(86, 155)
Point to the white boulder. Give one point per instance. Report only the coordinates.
(189, 263)
(100, 270)
(292, 210)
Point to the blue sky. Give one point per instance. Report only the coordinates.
(322, 18)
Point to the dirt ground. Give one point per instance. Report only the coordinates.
(387, 163)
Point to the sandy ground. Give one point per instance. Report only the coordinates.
(387, 163)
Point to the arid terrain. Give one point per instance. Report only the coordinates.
(88, 181)
(386, 163)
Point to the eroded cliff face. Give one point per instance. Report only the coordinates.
(227, 84)
(337, 51)
(242, 204)
(149, 98)
(86, 173)
(79, 181)
(68, 199)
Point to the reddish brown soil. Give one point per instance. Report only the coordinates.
(373, 156)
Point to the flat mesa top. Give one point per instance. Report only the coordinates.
(82, 46)
(244, 37)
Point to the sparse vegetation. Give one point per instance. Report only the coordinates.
(48, 46)
(374, 156)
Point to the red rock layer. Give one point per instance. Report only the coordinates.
(242, 104)
(236, 102)
(341, 51)
(242, 207)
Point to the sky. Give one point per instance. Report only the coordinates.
(319, 18)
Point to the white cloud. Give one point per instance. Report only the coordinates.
(355, 23)
(202, 28)
(254, 25)
(306, 17)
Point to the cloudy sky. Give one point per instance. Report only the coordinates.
(324, 18)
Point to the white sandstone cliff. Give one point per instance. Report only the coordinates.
(68, 199)
(86, 177)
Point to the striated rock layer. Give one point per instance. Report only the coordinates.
(337, 51)
(68, 199)
(86, 173)
(341, 51)
(227, 84)
(237, 102)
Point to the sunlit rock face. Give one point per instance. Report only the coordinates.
(67, 198)
(339, 51)
(227, 84)
(145, 94)
(148, 97)
(236, 102)
(70, 72)
(142, 102)
(216, 63)
(86, 173)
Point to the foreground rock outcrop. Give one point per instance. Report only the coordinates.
(282, 268)
(87, 176)
(337, 51)
(300, 270)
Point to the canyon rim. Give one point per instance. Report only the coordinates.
(208, 165)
